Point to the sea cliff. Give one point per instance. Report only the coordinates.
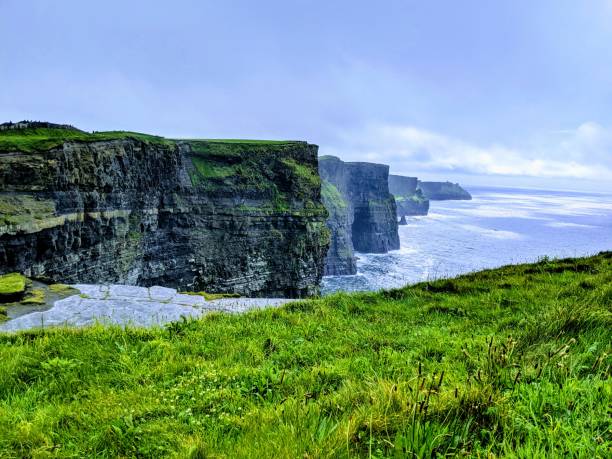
(118, 207)
(408, 198)
(362, 212)
(442, 191)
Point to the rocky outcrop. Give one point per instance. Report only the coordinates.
(220, 216)
(442, 191)
(408, 198)
(362, 212)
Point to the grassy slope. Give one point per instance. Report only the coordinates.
(332, 198)
(513, 361)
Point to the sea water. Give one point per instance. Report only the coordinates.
(499, 226)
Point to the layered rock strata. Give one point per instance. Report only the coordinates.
(117, 207)
(362, 212)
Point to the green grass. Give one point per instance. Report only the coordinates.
(304, 175)
(32, 140)
(35, 296)
(209, 169)
(11, 285)
(333, 200)
(511, 362)
(62, 289)
(417, 197)
(250, 141)
(42, 139)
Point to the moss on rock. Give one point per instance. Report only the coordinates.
(35, 296)
(332, 198)
(62, 289)
(12, 287)
(212, 296)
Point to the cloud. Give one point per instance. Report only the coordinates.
(581, 153)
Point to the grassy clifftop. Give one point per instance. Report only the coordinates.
(511, 362)
(33, 140)
(40, 137)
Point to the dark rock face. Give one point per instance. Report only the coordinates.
(340, 259)
(193, 215)
(362, 212)
(409, 199)
(442, 191)
(400, 185)
(374, 222)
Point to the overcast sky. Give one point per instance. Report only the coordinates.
(508, 92)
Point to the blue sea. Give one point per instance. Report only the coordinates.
(498, 226)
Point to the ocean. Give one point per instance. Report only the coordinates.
(499, 226)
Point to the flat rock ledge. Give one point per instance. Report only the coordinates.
(130, 305)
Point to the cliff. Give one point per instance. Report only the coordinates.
(441, 191)
(120, 207)
(340, 259)
(408, 198)
(362, 212)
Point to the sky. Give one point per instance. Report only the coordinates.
(505, 92)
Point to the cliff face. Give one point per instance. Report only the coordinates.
(217, 216)
(340, 259)
(409, 199)
(441, 191)
(362, 212)
(400, 185)
(374, 222)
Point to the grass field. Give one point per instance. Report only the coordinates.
(512, 362)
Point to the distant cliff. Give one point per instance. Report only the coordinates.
(409, 199)
(441, 191)
(362, 212)
(122, 207)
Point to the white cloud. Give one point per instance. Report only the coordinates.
(581, 153)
